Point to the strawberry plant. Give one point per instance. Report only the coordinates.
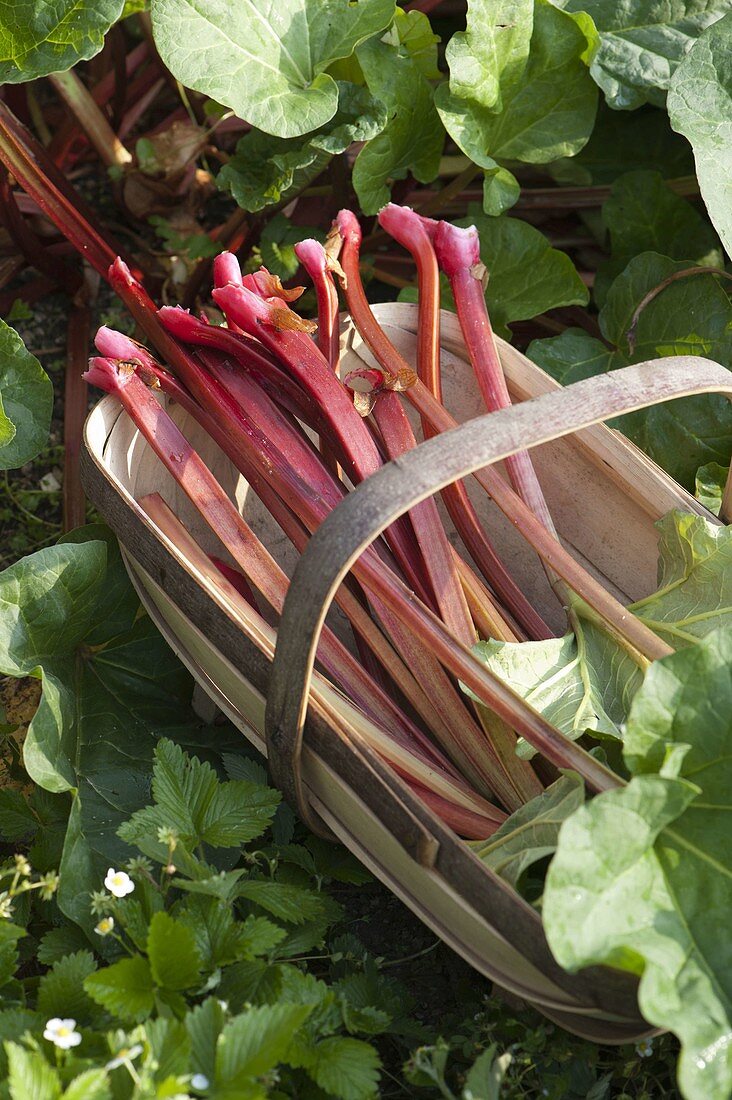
(202, 192)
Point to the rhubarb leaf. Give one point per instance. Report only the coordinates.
(531, 833)
(641, 43)
(642, 878)
(643, 214)
(265, 169)
(690, 316)
(37, 38)
(583, 682)
(491, 52)
(695, 580)
(700, 107)
(623, 142)
(111, 689)
(709, 486)
(412, 139)
(547, 113)
(573, 356)
(416, 37)
(26, 401)
(266, 60)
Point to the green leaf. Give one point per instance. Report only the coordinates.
(61, 991)
(709, 486)
(26, 395)
(9, 936)
(30, 1077)
(573, 356)
(93, 1084)
(170, 1047)
(266, 169)
(58, 942)
(14, 1022)
(171, 950)
(111, 688)
(623, 142)
(204, 1024)
(501, 190)
(295, 904)
(125, 989)
(255, 1041)
(583, 682)
(641, 43)
(190, 799)
(266, 63)
(531, 833)
(37, 38)
(416, 37)
(348, 1068)
(643, 214)
(699, 108)
(277, 245)
(546, 113)
(642, 875)
(16, 817)
(526, 275)
(220, 939)
(411, 140)
(493, 50)
(485, 1077)
(695, 580)
(691, 316)
(252, 982)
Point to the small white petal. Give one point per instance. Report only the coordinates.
(118, 883)
(199, 1081)
(62, 1033)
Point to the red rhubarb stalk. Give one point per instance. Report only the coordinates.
(413, 232)
(448, 794)
(458, 254)
(207, 495)
(627, 628)
(398, 437)
(314, 259)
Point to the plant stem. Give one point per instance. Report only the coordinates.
(646, 300)
(409, 230)
(617, 619)
(458, 254)
(91, 119)
(39, 177)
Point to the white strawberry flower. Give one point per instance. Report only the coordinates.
(118, 883)
(62, 1033)
(127, 1054)
(105, 926)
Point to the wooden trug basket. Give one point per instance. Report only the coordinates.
(605, 496)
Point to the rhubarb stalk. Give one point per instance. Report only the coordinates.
(627, 628)
(412, 232)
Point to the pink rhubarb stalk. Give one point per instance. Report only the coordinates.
(415, 233)
(623, 625)
(458, 254)
(448, 794)
(206, 494)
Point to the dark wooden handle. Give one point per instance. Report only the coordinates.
(401, 484)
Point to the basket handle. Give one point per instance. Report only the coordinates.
(413, 477)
